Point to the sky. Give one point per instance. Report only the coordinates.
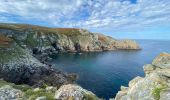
(134, 19)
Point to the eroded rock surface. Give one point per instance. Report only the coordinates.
(74, 92)
(154, 86)
(9, 93)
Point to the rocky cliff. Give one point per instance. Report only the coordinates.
(39, 39)
(17, 65)
(154, 86)
(24, 51)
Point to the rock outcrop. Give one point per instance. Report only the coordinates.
(74, 92)
(10, 91)
(17, 65)
(154, 86)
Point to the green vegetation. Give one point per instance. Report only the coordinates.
(68, 31)
(156, 91)
(32, 95)
(29, 92)
(90, 97)
(20, 87)
(13, 52)
(30, 41)
(22, 27)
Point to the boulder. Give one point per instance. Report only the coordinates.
(9, 93)
(73, 92)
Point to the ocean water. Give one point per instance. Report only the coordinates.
(104, 72)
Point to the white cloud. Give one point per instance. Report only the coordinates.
(88, 13)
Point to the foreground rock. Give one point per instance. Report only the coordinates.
(74, 92)
(154, 86)
(10, 91)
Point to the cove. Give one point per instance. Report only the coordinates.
(104, 72)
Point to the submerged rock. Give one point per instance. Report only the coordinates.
(154, 86)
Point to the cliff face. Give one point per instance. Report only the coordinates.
(154, 86)
(17, 65)
(38, 38)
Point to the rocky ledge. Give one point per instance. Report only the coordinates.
(154, 86)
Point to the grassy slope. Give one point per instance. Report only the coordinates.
(21, 27)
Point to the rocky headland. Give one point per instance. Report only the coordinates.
(24, 55)
(154, 86)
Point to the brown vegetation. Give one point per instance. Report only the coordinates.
(4, 41)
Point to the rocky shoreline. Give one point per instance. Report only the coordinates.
(25, 51)
(154, 86)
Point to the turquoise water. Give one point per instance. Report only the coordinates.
(104, 72)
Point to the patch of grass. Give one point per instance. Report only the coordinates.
(2, 83)
(32, 95)
(20, 87)
(30, 41)
(23, 88)
(156, 91)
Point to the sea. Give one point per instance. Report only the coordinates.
(104, 72)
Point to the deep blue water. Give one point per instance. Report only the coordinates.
(104, 72)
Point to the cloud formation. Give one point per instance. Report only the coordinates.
(117, 14)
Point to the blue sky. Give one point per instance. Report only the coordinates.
(136, 19)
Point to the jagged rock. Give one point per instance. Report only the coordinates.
(126, 44)
(162, 61)
(154, 86)
(9, 93)
(123, 88)
(73, 92)
(148, 68)
(17, 65)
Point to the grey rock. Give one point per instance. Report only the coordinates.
(75, 92)
(148, 68)
(162, 61)
(165, 94)
(9, 93)
(157, 80)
